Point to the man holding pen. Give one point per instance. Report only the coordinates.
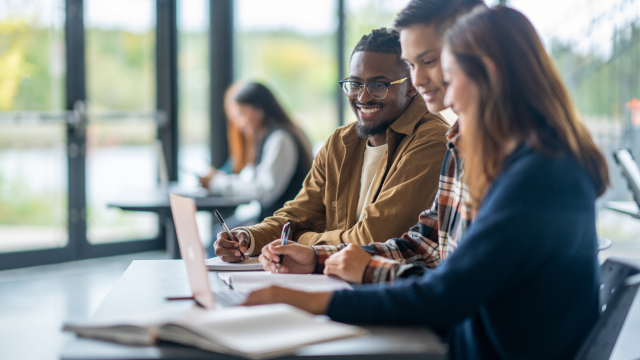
(371, 177)
(435, 236)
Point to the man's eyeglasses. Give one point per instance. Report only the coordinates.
(377, 89)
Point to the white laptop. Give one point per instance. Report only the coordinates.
(184, 217)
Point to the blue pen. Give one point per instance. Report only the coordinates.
(283, 241)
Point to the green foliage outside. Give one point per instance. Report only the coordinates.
(30, 79)
(20, 206)
(120, 70)
(602, 87)
(300, 70)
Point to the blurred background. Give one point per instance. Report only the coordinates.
(86, 88)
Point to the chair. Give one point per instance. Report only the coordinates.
(615, 300)
(630, 171)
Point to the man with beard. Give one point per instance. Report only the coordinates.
(371, 177)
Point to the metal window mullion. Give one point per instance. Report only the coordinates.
(76, 142)
(340, 34)
(221, 75)
(167, 81)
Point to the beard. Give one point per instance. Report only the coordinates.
(367, 131)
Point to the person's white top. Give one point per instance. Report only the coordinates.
(267, 181)
(372, 157)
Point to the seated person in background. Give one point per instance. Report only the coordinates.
(241, 148)
(282, 155)
(523, 282)
(422, 24)
(382, 167)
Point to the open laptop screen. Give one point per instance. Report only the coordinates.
(184, 218)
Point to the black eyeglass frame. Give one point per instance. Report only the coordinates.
(366, 85)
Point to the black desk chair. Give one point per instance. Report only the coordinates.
(615, 300)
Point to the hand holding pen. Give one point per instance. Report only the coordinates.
(288, 256)
(229, 245)
(283, 241)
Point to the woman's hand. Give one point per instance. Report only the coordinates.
(315, 303)
(349, 263)
(298, 259)
(205, 180)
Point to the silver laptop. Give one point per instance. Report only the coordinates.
(184, 217)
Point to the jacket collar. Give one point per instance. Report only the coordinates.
(405, 124)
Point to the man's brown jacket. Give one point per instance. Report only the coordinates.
(324, 212)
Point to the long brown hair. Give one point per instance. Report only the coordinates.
(241, 148)
(522, 97)
(260, 97)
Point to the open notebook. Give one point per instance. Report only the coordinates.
(259, 332)
(216, 264)
(252, 280)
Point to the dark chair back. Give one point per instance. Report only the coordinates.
(615, 300)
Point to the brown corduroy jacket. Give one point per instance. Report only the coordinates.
(324, 212)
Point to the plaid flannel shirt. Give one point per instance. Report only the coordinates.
(429, 241)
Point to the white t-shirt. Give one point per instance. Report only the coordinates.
(372, 157)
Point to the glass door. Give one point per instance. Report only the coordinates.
(33, 167)
(121, 157)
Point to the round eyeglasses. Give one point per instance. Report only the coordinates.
(377, 89)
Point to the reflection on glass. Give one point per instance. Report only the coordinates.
(596, 48)
(121, 159)
(193, 100)
(193, 77)
(290, 46)
(33, 169)
(33, 186)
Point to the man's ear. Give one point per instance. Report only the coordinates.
(411, 91)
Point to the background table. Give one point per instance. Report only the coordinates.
(146, 284)
(157, 201)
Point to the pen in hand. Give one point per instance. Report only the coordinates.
(283, 241)
(226, 229)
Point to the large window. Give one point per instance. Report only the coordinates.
(596, 47)
(33, 171)
(193, 99)
(121, 96)
(193, 87)
(293, 52)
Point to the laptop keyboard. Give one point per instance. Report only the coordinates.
(230, 298)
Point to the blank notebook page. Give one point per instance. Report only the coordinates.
(250, 280)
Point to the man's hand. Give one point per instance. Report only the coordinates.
(229, 250)
(298, 259)
(349, 264)
(313, 302)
